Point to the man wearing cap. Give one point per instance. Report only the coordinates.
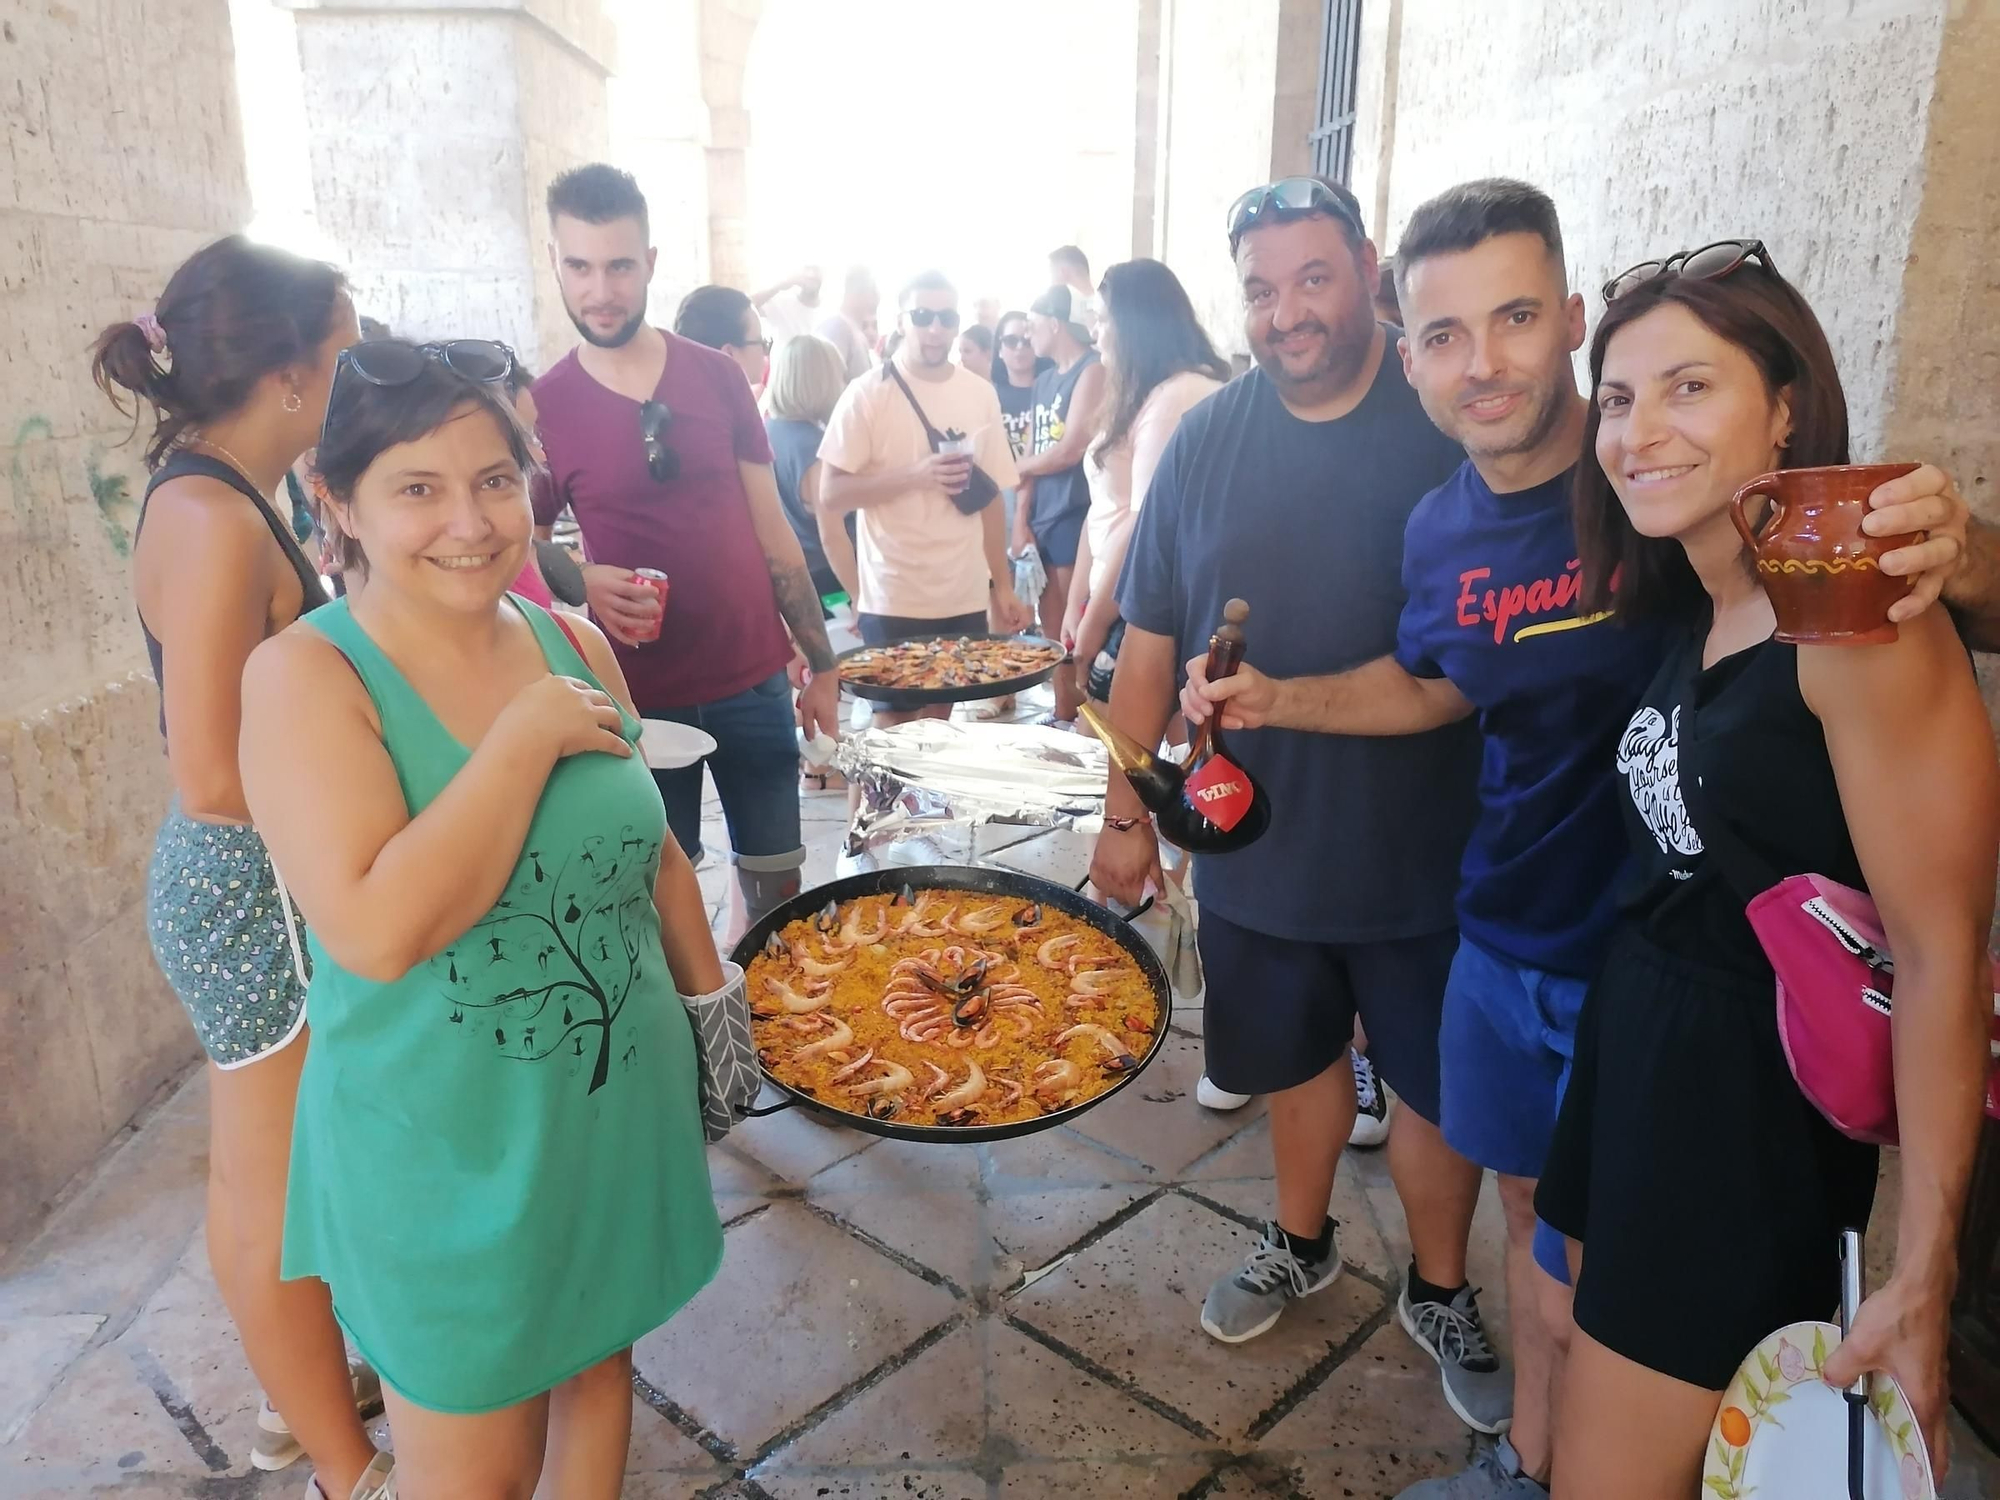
(1069, 401)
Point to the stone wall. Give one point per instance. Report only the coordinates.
(1237, 88)
(109, 181)
(1801, 122)
(450, 239)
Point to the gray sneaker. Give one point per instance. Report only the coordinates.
(1476, 1384)
(1246, 1302)
(1494, 1475)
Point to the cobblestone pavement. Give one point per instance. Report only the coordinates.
(952, 1323)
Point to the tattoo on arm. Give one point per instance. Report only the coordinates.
(798, 602)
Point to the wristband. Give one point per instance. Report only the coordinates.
(1125, 825)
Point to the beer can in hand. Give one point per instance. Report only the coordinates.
(657, 581)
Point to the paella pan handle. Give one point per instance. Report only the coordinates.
(769, 1109)
(1131, 916)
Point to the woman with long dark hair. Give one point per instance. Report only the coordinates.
(1704, 1193)
(233, 363)
(498, 1165)
(1161, 364)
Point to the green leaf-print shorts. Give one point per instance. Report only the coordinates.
(217, 925)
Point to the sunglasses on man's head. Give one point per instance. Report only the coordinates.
(655, 418)
(1014, 341)
(923, 317)
(1284, 200)
(394, 362)
(1709, 263)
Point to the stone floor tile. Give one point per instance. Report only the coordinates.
(1379, 1417)
(932, 1410)
(875, 1484)
(939, 1231)
(658, 1445)
(1132, 1303)
(1361, 1242)
(1384, 1471)
(1041, 1406)
(186, 1332)
(34, 1351)
(1155, 1120)
(116, 1234)
(667, 1485)
(1066, 1481)
(1246, 1154)
(1029, 1163)
(798, 1312)
(794, 1145)
(893, 1167)
(1027, 1230)
(102, 1423)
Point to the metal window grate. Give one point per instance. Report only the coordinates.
(1332, 138)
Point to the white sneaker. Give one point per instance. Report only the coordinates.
(276, 1448)
(1208, 1096)
(1371, 1116)
(377, 1481)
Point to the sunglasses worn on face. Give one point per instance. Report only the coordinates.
(1014, 341)
(1709, 263)
(923, 317)
(655, 418)
(394, 362)
(1286, 199)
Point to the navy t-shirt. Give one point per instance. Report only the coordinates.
(1493, 608)
(1304, 520)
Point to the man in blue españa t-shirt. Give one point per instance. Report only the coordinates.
(1492, 626)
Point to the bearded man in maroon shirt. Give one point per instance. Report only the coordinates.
(654, 442)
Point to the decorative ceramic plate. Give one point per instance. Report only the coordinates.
(668, 746)
(1782, 1431)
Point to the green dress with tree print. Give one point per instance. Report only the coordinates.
(498, 1163)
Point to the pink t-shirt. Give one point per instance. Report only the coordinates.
(722, 633)
(920, 556)
(1118, 485)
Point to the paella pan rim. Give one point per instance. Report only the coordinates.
(896, 698)
(980, 880)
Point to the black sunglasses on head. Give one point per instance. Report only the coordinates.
(923, 317)
(1709, 263)
(655, 418)
(394, 362)
(1286, 199)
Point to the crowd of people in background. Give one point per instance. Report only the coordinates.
(1491, 858)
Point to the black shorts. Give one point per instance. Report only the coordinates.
(1708, 1194)
(886, 630)
(1057, 538)
(1278, 1012)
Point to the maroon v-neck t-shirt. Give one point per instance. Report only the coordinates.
(722, 633)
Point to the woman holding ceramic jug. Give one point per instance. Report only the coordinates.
(1702, 1192)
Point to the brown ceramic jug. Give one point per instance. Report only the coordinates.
(1823, 574)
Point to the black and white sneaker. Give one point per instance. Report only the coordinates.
(1371, 1118)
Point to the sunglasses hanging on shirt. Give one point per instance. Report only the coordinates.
(656, 419)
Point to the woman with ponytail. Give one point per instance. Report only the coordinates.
(232, 367)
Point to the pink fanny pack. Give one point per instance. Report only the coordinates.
(1836, 980)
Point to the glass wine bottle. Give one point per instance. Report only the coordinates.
(1210, 805)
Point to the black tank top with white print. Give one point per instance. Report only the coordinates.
(1743, 728)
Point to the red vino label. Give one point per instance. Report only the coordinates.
(1221, 793)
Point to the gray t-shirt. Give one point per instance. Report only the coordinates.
(1304, 520)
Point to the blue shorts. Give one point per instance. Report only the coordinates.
(1056, 537)
(756, 771)
(1504, 1050)
(1279, 1012)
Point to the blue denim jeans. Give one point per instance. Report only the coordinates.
(756, 769)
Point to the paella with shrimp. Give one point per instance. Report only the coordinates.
(950, 662)
(948, 1008)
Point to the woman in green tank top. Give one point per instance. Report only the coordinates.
(497, 1164)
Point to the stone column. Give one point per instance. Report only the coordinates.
(727, 27)
(436, 128)
(659, 133)
(111, 180)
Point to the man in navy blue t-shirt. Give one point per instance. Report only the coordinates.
(1290, 488)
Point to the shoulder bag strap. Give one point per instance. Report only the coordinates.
(889, 368)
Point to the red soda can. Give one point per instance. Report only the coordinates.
(657, 581)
